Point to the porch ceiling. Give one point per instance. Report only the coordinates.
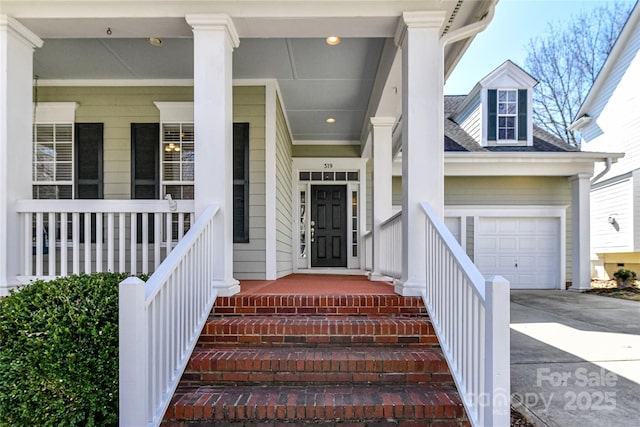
(317, 81)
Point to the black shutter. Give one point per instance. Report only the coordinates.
(145, 168)
(241, 182)
(88, 161)
(145, 160)
(492, 116)
(522, 115)
(88, 168)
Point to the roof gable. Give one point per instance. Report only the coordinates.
(508, 75)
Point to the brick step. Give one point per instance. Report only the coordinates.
(388, 305)
(301, 365)
(411, 405)
(317, 330)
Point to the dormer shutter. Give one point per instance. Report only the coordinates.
(492, 116)
(522, 115)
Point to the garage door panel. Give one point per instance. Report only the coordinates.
(526, 251)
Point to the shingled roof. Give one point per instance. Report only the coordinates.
(457, 139)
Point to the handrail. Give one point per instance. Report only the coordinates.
(160, 322)
(470, 316)
(101, 206)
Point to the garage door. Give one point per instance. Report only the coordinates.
(526, 251)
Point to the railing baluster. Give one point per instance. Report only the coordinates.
(145, 243)
(110, 243)
(157, 239)
(39, 248)
(122, 242)
(87, 242)
(64, 247)
(75, 241)
(99, 268)
(133, 246)
(27, 238)
(52, 238)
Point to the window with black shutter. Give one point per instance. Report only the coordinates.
(241, 182)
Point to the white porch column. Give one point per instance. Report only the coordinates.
(422, 138)
(382, 128)
(214, 38)
(16, 120)
(580, 229)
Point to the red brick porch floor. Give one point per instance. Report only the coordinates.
(316, 284)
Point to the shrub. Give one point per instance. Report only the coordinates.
(624, 277)
(59, 352)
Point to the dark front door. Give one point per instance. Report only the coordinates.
(329, 226)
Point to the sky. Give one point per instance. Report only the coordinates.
(515, 23)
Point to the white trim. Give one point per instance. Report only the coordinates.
(525, 211)
(55, 112)
(175, 112)
(113, 82)
(317, 164)
(19, 31)
(270, 155)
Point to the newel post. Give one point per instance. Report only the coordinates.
(497, 391)
(134, 368)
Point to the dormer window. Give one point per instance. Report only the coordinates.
(507, 115)
(507, 121)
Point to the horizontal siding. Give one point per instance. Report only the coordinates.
(284, 185)
(614, 201)
(470, 119)
(249, 259)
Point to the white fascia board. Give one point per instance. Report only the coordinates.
(523, 164)
(324, 142)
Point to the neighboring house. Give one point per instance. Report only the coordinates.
(511, 189)
(609, 120)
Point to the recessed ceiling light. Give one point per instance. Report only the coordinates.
(154, 41)
(333, 40)
(331, 120)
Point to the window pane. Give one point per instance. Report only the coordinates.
(187, 132)
(64, 133)
(44, 172)
(44, 133)
(171, 132)
(187, 172)
(341, 176)
(171, 153)
(316, 176)
(305, 176)
(171, 172)
(64, 172)
(64, 152)
(352, 176)
(328, 176)
(45, 153)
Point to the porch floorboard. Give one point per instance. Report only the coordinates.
(316, 284)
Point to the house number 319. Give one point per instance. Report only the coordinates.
(328, 165)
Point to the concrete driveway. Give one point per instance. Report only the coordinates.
(575, 359)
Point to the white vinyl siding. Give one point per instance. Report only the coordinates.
(614, 201)
(616, 123)
(284, 183)
(249, 258)
(470, 119)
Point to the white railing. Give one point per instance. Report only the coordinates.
(367, 253)
(391, 246)
(160, 322)
(471, 318)
(61, 237)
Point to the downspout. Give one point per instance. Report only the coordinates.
(471, 29)
(607, 168)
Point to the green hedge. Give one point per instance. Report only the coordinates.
(59, 353)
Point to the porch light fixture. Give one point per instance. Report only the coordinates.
(331, 120)
(154, 41)
(333, 40)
